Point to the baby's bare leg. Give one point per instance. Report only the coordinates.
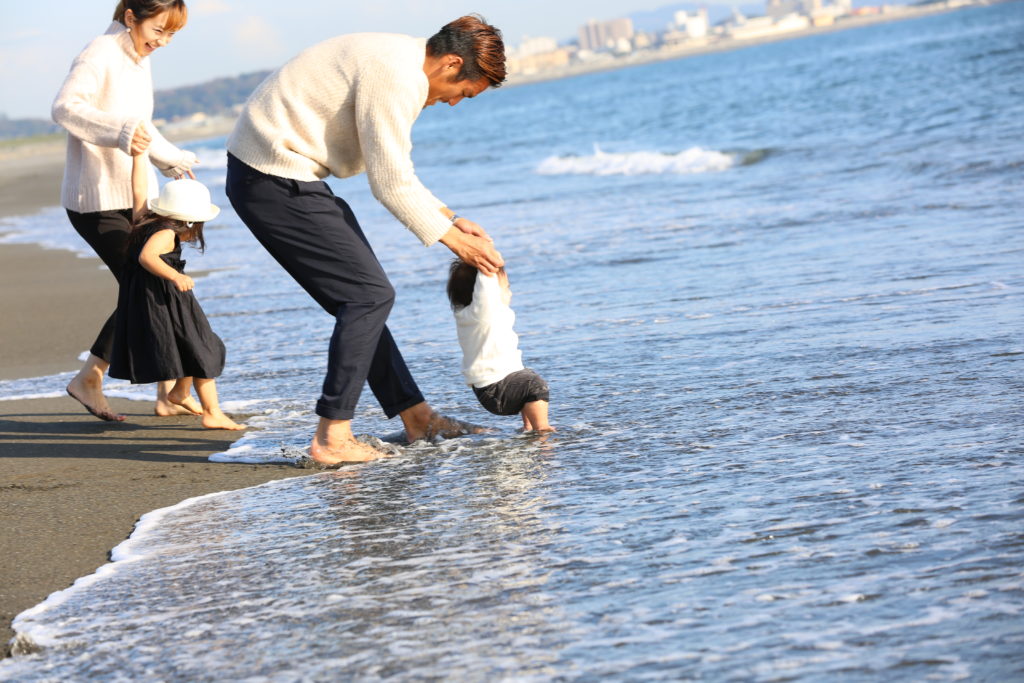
(535, 417)
(180, 394)
(213, 418)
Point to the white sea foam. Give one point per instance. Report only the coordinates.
(693, 160)
(50, 386)
(48, 228)
(35, 632)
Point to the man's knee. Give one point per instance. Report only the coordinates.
(375, 302)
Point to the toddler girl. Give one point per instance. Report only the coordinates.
(491, 360)
(161, 332)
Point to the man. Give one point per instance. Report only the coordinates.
(342, 107)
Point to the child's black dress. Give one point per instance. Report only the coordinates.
(161, 333)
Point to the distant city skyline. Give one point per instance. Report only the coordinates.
(38, 41)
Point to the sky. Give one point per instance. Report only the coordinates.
(39, 40)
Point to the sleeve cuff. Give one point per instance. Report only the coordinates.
(183, 166)
(124, 142)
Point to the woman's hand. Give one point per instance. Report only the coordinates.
(184, 283)
(140, 140)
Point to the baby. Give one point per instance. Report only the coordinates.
(491, 360)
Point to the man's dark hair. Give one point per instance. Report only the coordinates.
(478, 43)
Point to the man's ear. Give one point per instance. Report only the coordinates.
(453, 62)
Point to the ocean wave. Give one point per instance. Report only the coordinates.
(693, 160)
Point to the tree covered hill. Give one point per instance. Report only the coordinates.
(219, 96)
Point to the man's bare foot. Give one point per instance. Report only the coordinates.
(188, 403)
(345, 450)
(220, 421)
(92, 399)
(442, 426)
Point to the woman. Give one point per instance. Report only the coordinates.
(106, 104)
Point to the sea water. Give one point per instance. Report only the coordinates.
(778, 295)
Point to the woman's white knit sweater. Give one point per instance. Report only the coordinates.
(107, 94)
(341, 107)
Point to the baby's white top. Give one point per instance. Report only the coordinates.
(490, 347)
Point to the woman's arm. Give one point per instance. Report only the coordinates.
(162, 242)
(73, 109)
(172, 161)
(140, 186)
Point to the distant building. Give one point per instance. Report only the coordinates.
(691, 24)
(601, 35)
(777, 9)
(643, 41)
(535, 46)
(757, 27)
(535, 63)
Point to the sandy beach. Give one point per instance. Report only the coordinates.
(71, 486)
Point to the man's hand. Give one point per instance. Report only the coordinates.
(476, 250)
(470, 228)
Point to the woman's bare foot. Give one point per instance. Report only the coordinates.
(219, 420)
(87, 389)
(342, 451)
(188, 403)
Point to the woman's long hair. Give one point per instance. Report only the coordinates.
(144, 9)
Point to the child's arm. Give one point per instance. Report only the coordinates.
(140, 186)
(162, 242)
(486, 294)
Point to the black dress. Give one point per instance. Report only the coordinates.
(161, 333)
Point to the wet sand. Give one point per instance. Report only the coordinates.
(71, 486)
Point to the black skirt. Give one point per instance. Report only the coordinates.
(161, 333)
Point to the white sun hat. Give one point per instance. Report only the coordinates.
(185, 199)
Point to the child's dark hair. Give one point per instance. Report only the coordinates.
(461, 280)
(150, 223)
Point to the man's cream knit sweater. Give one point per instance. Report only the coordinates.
(107, 94)
(341, 107)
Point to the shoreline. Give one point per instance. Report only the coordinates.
(652, 56)
(73, 487)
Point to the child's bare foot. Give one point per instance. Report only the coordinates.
(90, 395)
(220, 421)
(342, 451)
(188, 403)
(165, 408)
